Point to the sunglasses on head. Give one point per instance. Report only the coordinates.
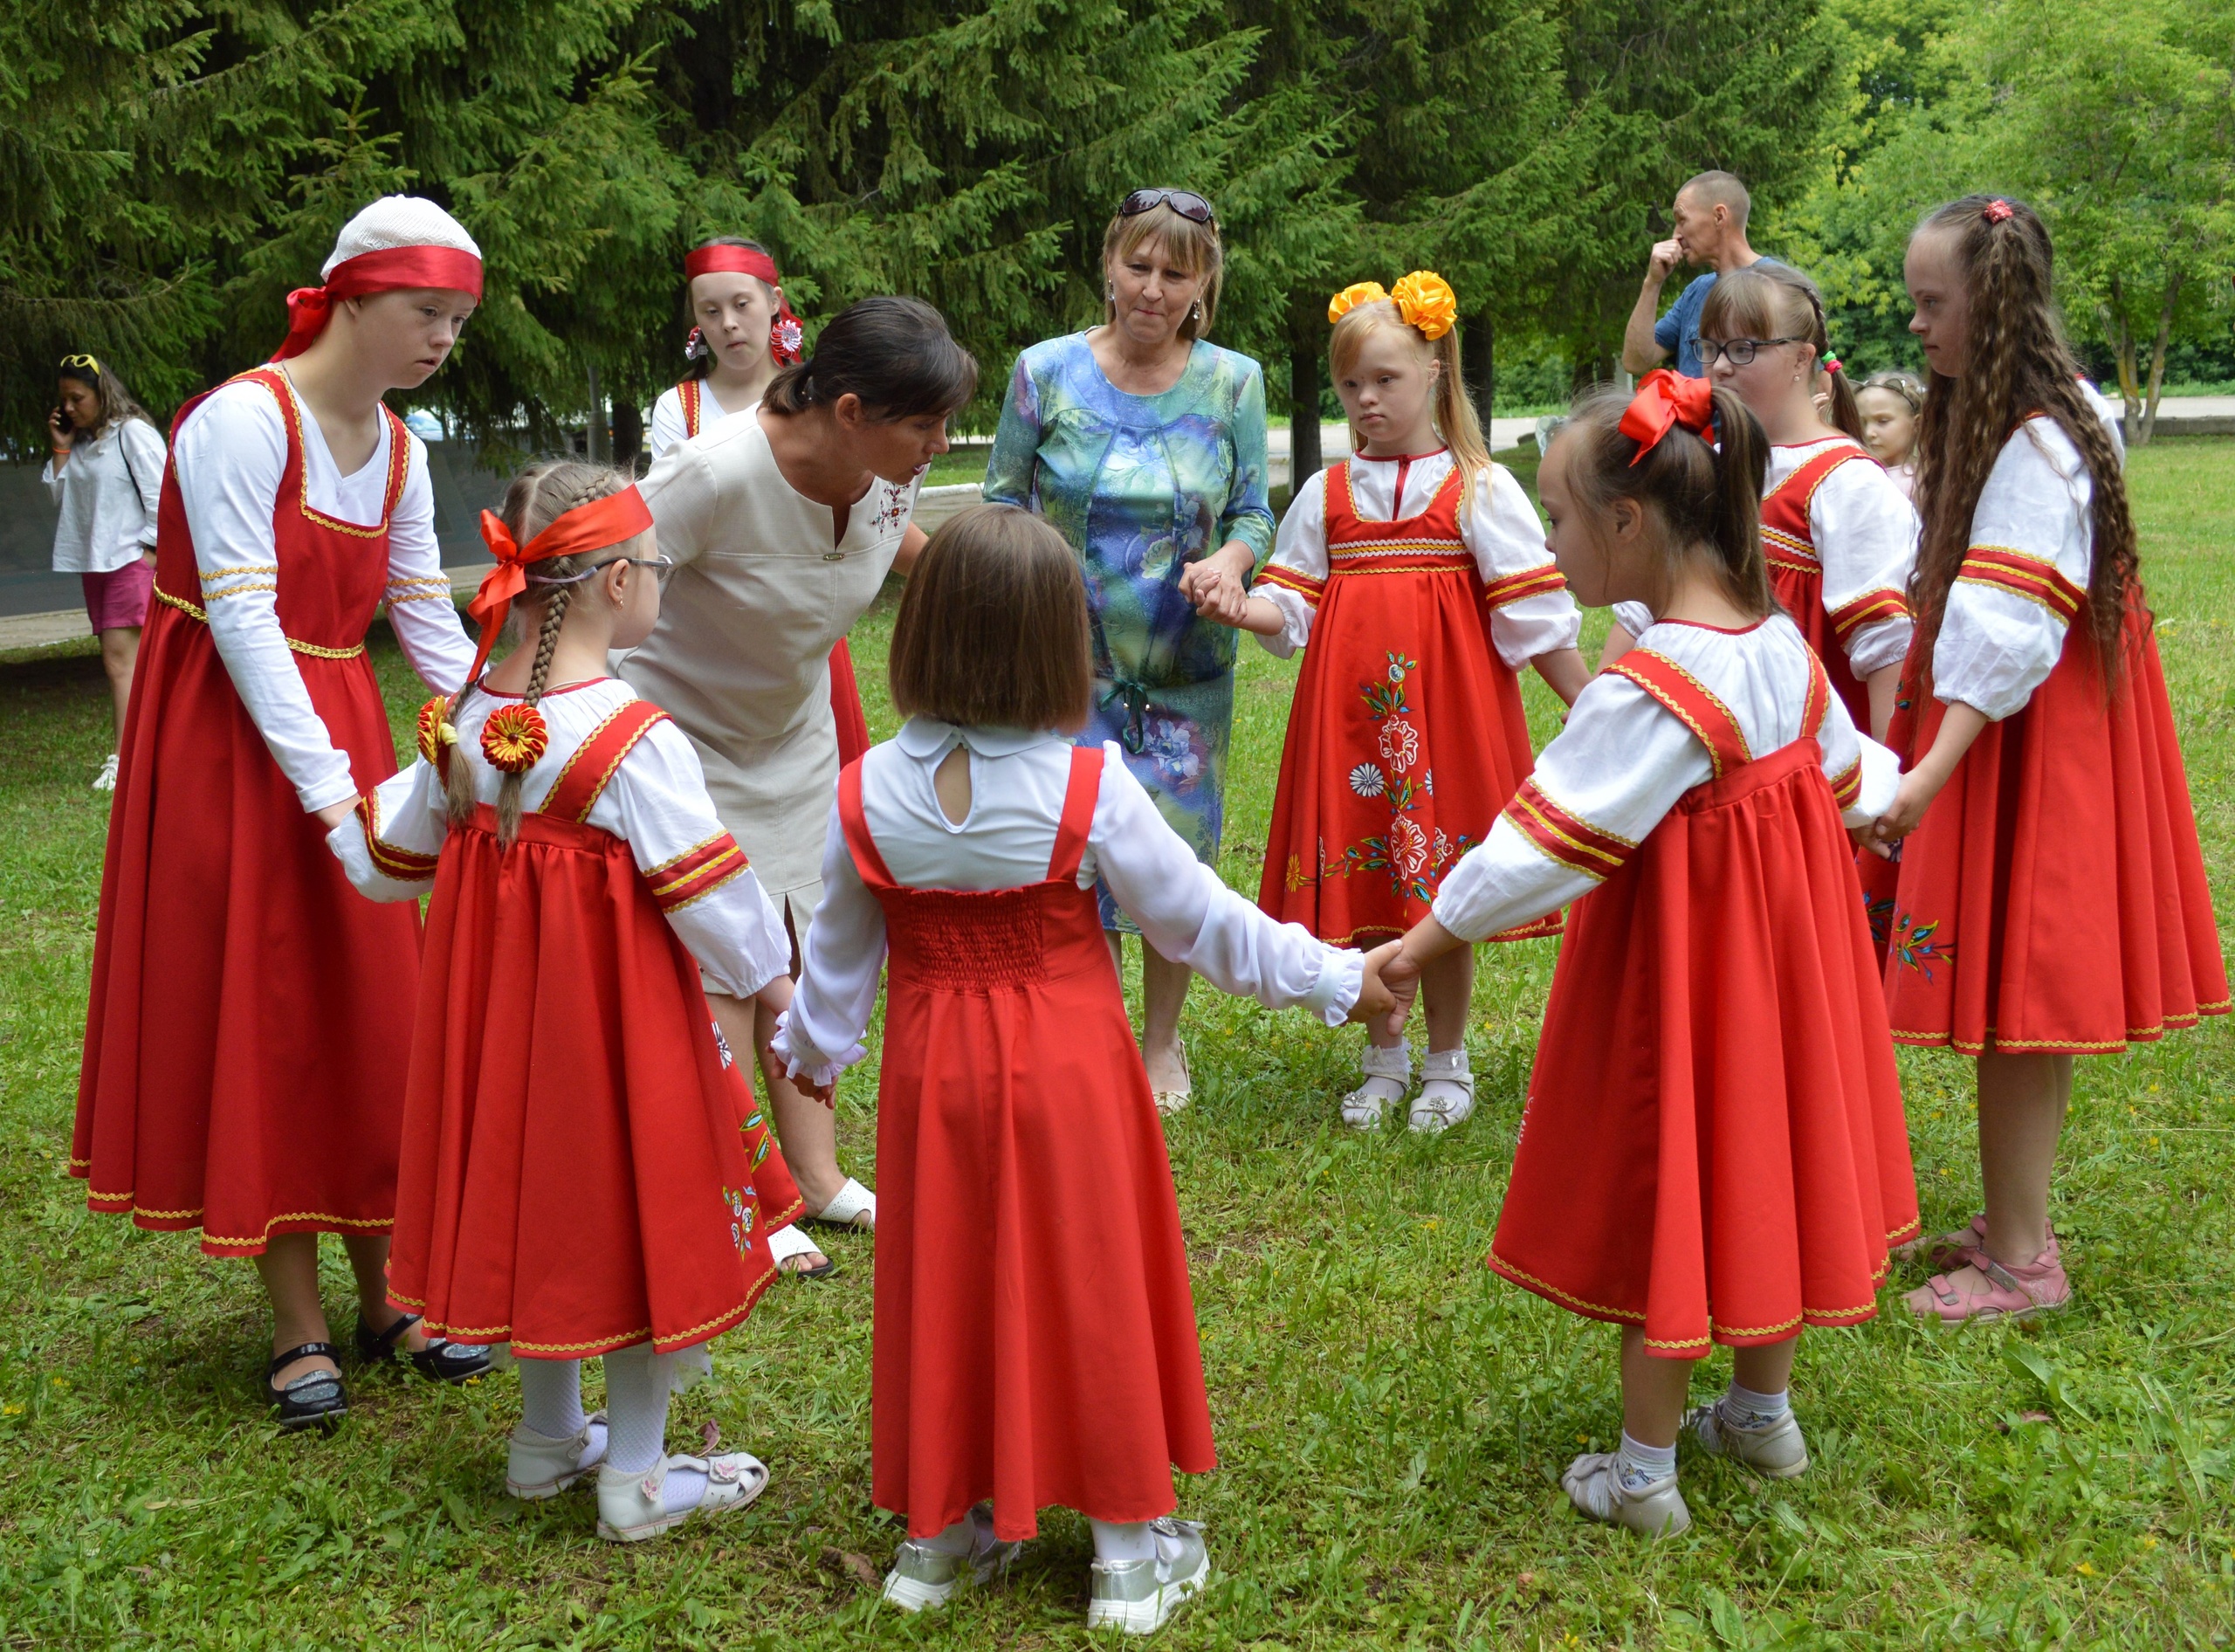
(84, 362)
(1186, 202)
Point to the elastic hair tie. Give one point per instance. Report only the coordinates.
(1997, 210)
(1832, 363)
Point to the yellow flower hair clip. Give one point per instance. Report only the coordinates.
(1427, 302)
(434, 730)
(1353, 295)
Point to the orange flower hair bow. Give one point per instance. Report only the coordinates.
(1427, 302)
(1353, 295)
(591, 526)
(1665, 400)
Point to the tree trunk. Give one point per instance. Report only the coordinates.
(1303, 416)
(600, 448)
(2158, 355)
(2130, 381)
(1478, 357)
(628, 433)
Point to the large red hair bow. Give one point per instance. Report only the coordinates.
(1665, 400)
(591, 526)
(390, 269)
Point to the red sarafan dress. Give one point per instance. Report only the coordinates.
(246, 1039)
(584, 1166)
(1846, 593)
(2053, 897)
(1036, 1334)
(845, 688)
(1407, 733)
(1714, 1147)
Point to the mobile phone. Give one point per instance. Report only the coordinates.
(62, 418)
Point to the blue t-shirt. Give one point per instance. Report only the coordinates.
(1679, 330)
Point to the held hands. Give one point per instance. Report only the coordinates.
(1401, 979)
(1375, 1001)
(1216, 595)
(1911, 798)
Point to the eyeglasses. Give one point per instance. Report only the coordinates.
(1741, 351)
(1186, 202)
(663, 567)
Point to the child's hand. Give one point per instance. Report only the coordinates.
(825, 1093)
(1401, 975)
(1374, 1000)
(1865, 836)
(1914, 795)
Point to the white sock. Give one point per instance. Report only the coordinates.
(551, 1397)
(1126, 1541)
(1748, 1410)
(1387, 1071)
(637, 1384)
(1640, 1465)
(1444, 1068)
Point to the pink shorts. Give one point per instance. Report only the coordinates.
(120, 598)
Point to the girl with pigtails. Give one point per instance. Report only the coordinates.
(583, 1168)
(1415, 574)
(2051, 899)
(1713, 1150)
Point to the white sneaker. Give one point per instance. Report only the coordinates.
(1446, 1095)
(1140, 1596)
(105, 780)
(1594, 1485)
(1775, 1450)
(923, 1576)
(632, 1507)
(537, 1466)
(1388, 1073)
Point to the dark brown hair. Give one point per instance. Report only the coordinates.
(1707, 495)
(895, 354)
(1768, 300)
(538, 497)
(2016, 364)
(992, 631)
(117, 404)
(705, 364)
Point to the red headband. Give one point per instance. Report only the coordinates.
(605, 521)
(309, 308)
(730, 260)
(1665, 399)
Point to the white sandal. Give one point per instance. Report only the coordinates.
(852, 1206)
(537, 1466)
(787, 1241)
(1363, 1107)
(1169, 1102)
(1433, 1115)
(632, 1507)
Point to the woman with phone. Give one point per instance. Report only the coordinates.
(105, 472)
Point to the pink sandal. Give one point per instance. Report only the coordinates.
(1952, 1251)
(2011, 1293)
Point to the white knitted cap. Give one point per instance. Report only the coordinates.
(398, 221)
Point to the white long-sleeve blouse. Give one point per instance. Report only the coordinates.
(1018, 779)
(107, 492)
(656, 802)
(1624, 759)
(231, 451)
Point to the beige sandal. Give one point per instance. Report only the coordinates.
(1169, 1102)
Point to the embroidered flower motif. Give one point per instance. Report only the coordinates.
(1880, 911)
(1169, 743)
(1367, 781)
(1294, 878)
(514, 738)
(723, 1044)
(1442, 848)
(1914, 946)
(1399, 667)
(434, 730)
(1400, 744)
(1427, 781)
(1408, 848)
(742, 1212)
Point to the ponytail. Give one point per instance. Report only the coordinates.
(1741, 458)
(1456, 419)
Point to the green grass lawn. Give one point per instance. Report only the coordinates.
(1392, 1419)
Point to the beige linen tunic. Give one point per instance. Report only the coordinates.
(740, 657)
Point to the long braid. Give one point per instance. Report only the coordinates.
(546, 643)
(2017, 364)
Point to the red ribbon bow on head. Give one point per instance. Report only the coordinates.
(309, 308)
(592, 527)
(784, 332)
(1997, 209)
(1665, 400)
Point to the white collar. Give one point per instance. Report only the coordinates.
(927, 739)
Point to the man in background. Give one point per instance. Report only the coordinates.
(1711, 230)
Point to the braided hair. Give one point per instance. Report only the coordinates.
(538, 496)
(2017, 365)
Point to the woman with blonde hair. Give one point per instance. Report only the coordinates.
(1144, 445)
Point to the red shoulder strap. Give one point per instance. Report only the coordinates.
(1819, 705)
(688, 393)
(399, 462)
(866, 861)
(1692, 701)
(1087, 764)
(1339, 516)
(583, 781)
(1786, 507)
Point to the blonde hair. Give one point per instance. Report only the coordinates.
(538, 497)
(1195, 247)
(1454, 410)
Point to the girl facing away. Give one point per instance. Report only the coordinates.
(2051, 899)
(584, 1169)
(1416, 573)
(1713, 1150)
(1035, 1330)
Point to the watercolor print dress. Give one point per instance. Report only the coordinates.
(1142, 486)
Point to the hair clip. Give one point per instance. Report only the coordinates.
(695, 345)
(1353, 295)
(1832, 363)
(1997, 209)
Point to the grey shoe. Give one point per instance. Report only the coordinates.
(922, 1577)
(1775, 1450)
(1594, 1485)
(1140, 1596)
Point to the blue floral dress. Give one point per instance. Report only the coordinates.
(1142, 486)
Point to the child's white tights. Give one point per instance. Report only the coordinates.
(1129, 1540)
(637, 1385)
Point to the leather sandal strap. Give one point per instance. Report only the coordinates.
(303, 1351)
(386, 1340)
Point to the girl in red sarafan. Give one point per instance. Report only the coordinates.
(2052, 900)
(1713, 1150)
(1416, 573)
(583, 1171)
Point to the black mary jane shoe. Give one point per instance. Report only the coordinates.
(315, 1399)
(441, 1360)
